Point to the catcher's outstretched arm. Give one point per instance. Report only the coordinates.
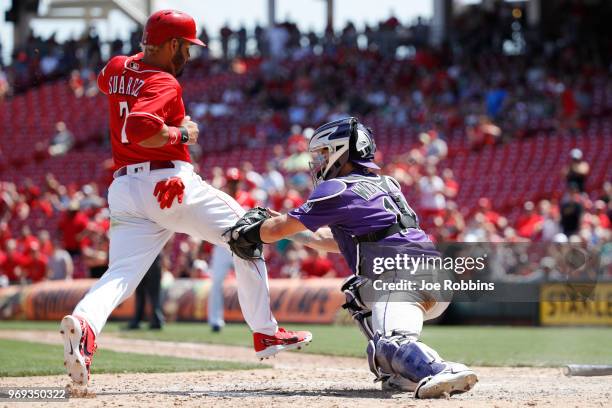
(322, 239)
(283, 226)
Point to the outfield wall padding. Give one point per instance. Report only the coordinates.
(295, 301)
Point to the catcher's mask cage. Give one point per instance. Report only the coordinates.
(335, 143)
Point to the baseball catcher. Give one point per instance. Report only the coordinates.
(361, 207)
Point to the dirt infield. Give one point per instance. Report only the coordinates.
(304, 380)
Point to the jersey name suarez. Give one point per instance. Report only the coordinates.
(139, 92)
(353, 209)
(126, 85)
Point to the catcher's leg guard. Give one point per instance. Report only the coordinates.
(361, 314)
(403, 355)
(400, 354)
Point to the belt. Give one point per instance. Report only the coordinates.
(376, 236)
(153, 165)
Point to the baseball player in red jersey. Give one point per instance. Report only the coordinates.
(150, 134)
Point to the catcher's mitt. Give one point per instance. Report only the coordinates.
(243, 237)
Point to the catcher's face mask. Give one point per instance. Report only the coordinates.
(318, 165)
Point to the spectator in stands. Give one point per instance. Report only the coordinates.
(450, 225)
(62, 141)
(94, 249)
(60, 263)
(299, 158)
(72, 224)
(241, 42)
(273, 181)
(91, 199)
(226, 35)
(602, 214)
(482, 132)
(204, 51)
(433, 146)
(550, 220)
(12, 265)
(577, 171)
(26, 239)
(35, 264)
(316, 265)
(292, 265)
(91, 88)
(530, 222)
(492, 216)
(260, 40)
(451, 186)
(571, 209)
(277, 38)
(431, 190)
(76, 83)
(495, 98)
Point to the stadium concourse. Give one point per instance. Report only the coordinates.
(487, 146)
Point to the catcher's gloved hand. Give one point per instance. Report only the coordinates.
(243, 237)
(166, 190)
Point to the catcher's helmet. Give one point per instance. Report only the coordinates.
(164, 25)
(335, 143)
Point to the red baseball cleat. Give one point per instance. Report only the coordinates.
(79, 348)
(267, 346)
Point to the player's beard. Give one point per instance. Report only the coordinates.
(178, 61)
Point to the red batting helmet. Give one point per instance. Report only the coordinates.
(164, 25)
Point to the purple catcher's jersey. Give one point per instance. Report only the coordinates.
(352, 207)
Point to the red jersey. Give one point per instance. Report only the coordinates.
(141, 99)
(35, 267)
(245, 199)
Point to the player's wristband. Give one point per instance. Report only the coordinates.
(174, 135)
(184, 134)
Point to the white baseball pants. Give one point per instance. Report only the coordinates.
(140, 229)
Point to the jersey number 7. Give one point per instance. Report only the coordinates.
(124, 109)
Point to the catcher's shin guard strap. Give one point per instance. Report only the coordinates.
(374, 368)
(355, 306)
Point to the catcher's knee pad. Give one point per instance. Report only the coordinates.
(401, 354)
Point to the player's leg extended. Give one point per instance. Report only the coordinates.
(134, 244)
(220, 264)
(403, 362)
(207, 213)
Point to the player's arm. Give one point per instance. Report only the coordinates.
(146, 122)
(166, 134)
(284, 226)
(321, 239)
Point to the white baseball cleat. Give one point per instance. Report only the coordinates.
(454, 379)
(79, 348)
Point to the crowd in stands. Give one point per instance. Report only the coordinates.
(477, 91)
